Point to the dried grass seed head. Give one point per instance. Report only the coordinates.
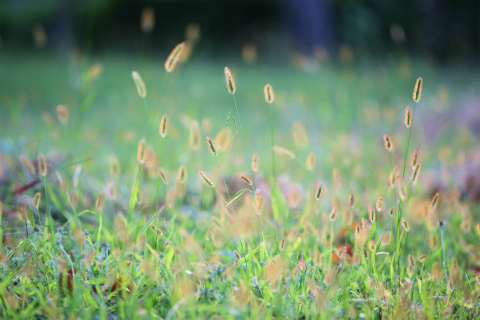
(211, 146)
(141, 89)
(417, 91)
(206, 179)
(42, 165)
(311, 161)
(231, 87)
(284, 152)
(194, 138)
(269, 97)
(163, 129)
(174, 57)
(408, 117)
(388, 142)
(255, 162)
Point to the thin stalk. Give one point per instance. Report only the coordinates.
(274, 169)
(243, 140)
(407, 145)
(443, 250)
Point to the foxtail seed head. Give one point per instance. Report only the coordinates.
(311, 160)
(182, 174)
(408, 117)
(211, 146)
(319, 192)
(284, 152)
(147, 19)
(100, 203)
(246, 179)
(388, 142)
(405, 225)
(379, 204)
(36, 200)
(365, 252)
(393, 178)
(174, 57)
(255, 162)
(63, 114)
(42, 165)
(230, 81)
(372, 216)
(417, 91)
(163, 130)
(268, 93)
(415, 159)
(478, 228)
(435, 200)
(372, 246)
(27, 164)
(416, 173)
(206, 179)
(141, 151)
(300, 136)
(352, 200)
(283, 241)
(259, 202)
(194, 138)
(163, 175)
(333, 214)
(141, 89)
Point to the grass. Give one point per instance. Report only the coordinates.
(110, 239)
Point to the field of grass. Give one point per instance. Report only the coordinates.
(112, 227)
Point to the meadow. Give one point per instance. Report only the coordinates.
(203, 193)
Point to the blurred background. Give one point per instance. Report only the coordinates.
(444, 31)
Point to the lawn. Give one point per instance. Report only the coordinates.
(103, 217)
